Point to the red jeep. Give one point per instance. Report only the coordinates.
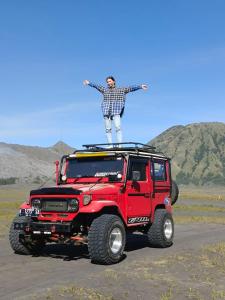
(101, 194)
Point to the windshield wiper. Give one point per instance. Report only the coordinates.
(99, 179)
(75, 179)
(84, 176)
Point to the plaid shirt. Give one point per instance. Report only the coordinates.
(114, 98)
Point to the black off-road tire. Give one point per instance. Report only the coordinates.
(102, 234)
(18, 244)
(174, 193)
(161, 232)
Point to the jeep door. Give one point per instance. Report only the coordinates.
(138, 191)
(160, 174)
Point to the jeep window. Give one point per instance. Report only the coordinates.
(140, 166)
(159, 170)
(94, 167)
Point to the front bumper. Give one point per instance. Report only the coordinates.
(43, 227)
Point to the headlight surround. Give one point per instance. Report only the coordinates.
(87, 199)
(73, 205)
(36, 203)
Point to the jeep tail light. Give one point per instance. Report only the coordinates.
(87, 199)
(73, 205)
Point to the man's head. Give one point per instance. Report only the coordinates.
(111, 82)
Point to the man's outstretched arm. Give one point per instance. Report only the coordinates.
(96, 86)
(135, 88)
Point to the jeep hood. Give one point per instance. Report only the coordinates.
(71, 189)
(94, 188)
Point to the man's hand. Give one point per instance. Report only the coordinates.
(86, 82)
(144, 86)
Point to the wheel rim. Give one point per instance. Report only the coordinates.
(168, 229)
(115, 240)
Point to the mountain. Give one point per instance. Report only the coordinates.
(29, 164)
(197, 151)
(62, 148)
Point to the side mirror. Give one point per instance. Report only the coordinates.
(136, 175)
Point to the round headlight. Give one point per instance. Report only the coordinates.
(36, 203)
(73, 205)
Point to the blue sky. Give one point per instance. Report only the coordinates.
(48, 47)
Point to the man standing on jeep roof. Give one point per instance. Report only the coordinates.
(113, 104)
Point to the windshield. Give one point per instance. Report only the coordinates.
(94, 167)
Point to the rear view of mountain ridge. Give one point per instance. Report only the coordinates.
(197, 151)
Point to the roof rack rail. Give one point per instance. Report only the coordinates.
(134, 145)
(120, 147)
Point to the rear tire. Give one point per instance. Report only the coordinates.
(106, 239)
(18, 243)
(161, 232)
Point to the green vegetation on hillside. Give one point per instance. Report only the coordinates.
(197, 152)
(10, 180)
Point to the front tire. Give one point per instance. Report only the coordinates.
(161, 232)
(106, 239)
(18, 243)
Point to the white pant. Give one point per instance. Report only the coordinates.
(108, 128)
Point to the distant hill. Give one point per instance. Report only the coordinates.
(29, 164)
(197, 152)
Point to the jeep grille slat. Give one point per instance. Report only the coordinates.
(60, 205)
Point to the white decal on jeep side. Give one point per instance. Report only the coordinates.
(138, 220)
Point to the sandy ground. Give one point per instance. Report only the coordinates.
(192, 268)
(145, 273)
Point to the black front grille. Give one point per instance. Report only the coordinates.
(59, 205)
(55, 204)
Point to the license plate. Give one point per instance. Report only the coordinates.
(29, 212)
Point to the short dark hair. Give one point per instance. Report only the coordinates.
(110, 77)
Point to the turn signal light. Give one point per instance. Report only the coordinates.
(87, 199)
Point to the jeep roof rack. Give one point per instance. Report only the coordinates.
(119, 146)
(134, 147)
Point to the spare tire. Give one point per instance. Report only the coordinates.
(174, 192)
